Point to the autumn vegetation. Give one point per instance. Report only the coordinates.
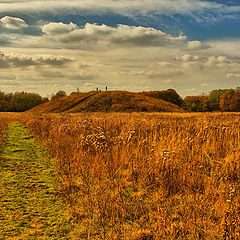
(146, 175)
(107, 101)
(224, 100)
(139, 176)
(219, 100)
(19, 101)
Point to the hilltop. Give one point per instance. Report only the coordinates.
(108, 101)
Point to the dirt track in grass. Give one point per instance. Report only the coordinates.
(29, 206)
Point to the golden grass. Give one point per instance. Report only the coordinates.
(147, 175)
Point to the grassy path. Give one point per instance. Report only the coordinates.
(29, 208)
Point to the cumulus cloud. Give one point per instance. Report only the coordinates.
(13, 23)
(58, 28)
(22, 60)
(204, 62)
(197, 45)
(217, 61)
(189, 58)
(93, 34)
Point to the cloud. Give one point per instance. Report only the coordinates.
(22, 60)
(190, 61)
(10, 83)
(197, 45)
(125, 7)
(217, 61)
(156, 74)
(161, 64)
(232, 75)
(92, 35)
(13, 23)
(58, 28)
(118, 68)
(7, 76)
(228, 47)
(81, 77)
(191, 89)
(189, 58)
(50, 74)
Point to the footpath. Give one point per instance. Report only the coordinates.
(29, 207)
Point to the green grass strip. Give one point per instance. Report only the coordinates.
(29, 208)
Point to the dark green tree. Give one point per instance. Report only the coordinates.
(196, 103)
(214, 99)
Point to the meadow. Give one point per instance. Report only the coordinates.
(145, 176)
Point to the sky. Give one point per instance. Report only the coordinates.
(192, 46)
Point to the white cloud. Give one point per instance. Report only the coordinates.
(210, 62)
(58, 28)
(217, 61)
(197, 45)
(13, 23)
(188, 58)
(228, 47)
(92, 35)
(126, 7)
(23, 60)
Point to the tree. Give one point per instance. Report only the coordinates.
(21, 101)
(214, 99)
(196, 103)
(59, 94)
(169, 95)
(235, 102)
(226, 99)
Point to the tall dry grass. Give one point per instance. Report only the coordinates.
(147, 176)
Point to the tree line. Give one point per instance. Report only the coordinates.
(19, 101)
(225, 100)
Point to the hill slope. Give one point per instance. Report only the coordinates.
(111, 101)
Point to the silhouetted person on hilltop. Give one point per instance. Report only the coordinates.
(106, 88)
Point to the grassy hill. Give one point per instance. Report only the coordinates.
(110, 101)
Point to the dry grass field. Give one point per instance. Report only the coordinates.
(146, 176)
